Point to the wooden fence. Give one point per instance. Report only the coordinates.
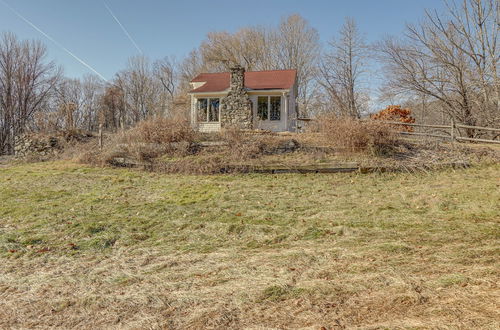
(451, 132)
(453, 129)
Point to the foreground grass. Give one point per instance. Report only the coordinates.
(91, 247)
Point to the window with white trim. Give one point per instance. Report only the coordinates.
(208, 109)
(269, 107)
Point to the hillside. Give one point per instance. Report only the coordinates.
(91, 247)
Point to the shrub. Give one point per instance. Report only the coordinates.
(242, 146)
(86, 153)
(148, 140)
(245, 145)
(395, 113)
(163, 130)
(356, 135)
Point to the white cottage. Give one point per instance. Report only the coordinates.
(249, 100)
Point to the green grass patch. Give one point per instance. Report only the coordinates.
(276, 293)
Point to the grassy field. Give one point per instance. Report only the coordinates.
(92, 248)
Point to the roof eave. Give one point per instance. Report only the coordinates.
(267, 90)
(208, 93)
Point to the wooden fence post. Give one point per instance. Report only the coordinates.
(100, 137)
(452, 130)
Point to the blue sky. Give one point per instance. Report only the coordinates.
(162, 28)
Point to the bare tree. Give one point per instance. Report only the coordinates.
(112, 110)
(77, 102)
(342, 69)
(165, 72)
(26, 81)
(69, 99)
(473, 29)
(247, 47)
(297, 47)
(190, 67)
(92, 90)
(452, 59)
(148, 88)
(137, 84)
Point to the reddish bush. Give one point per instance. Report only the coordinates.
(395, 113)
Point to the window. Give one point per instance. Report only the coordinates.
(213, 113)
(202, 106)
(269, 107)
(208, 110)
(275, 113)
(262, 107)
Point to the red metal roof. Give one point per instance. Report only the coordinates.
(275, 79)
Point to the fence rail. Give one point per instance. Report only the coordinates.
(453, 130)
(413, 124)
(478, 127)
(425, 134)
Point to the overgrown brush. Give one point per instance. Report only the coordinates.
(232, 152)
(145, 142)
(242, 146)
(172, 146)
(356, 135)
(163, 130)
(245, 145)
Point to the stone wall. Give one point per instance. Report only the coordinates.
(36, 145)
(236, 107)
(46, 145)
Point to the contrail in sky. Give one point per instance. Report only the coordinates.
(54, 41)
(122, 27)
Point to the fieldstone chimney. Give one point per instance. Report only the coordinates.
(237, 78)
(236, 107)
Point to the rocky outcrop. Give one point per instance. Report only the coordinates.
(236, 107)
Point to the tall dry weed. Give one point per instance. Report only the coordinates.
(145, 142)
(356, 135)
(163, 130)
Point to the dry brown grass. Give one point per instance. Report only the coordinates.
(162, 130)
(245, 145)
(233, 150)
(108, 248)
(145, 142)
(354, 135)
(172, 146)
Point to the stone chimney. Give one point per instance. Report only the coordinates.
(236, 107)
(237, 78)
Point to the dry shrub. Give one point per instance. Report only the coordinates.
(164, 130)
(205, 162)
(223, 153)
(156, 137)
(86, 153)
(143, 143)
(244, 145)
(231, 151)
(355, 135)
